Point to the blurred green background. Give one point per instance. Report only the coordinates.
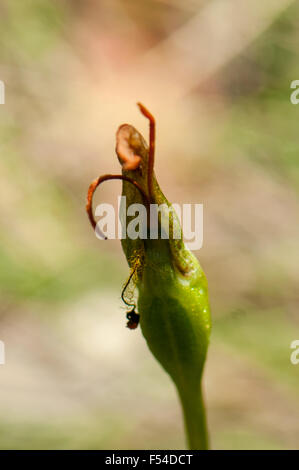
(216, 74)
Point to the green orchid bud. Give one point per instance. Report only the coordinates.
(172, 289)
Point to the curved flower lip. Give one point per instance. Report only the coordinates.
(127, 140)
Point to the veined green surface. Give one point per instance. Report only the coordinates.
(173, 305)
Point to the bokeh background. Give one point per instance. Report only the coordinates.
(216, 74)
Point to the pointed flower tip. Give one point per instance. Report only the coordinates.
(146, 112)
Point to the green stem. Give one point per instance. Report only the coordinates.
(195, 419)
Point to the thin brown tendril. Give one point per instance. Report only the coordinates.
(125, 288)
(132, 316)
(94, 186)
(151, 156)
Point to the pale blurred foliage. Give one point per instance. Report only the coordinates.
(216, 75)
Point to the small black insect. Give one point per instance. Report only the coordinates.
(133, 319)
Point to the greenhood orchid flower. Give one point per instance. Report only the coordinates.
(173, 306)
